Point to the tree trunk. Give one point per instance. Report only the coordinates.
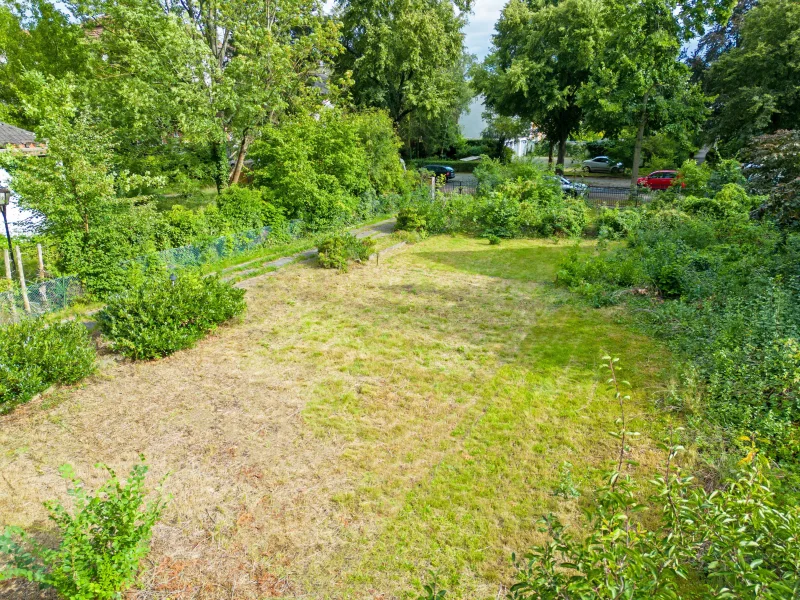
(237, 167)
(637, 149)
(562, 151)
(220, 160)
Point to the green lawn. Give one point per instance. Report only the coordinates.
(357, 429)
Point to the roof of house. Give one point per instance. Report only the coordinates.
(14, 135)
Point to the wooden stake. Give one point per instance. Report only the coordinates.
(8, 263)
(41, 260)
(433, 187)
(26, 303)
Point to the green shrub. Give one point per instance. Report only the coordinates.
(102, 541)
(319, 171)
(615, 224)
(410, 219)
(493, 240)
(34, 356)
(244, 209)
(158, 318)
(336, 251)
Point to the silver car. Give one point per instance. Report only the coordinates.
(602, 164)
(569, 188)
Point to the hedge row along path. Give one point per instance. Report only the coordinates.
(354, 429)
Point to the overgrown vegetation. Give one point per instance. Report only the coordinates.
(514, 200)
(101, 543)
(723, 289)
(337, 251)
(159, 317)
(732, 542)
(34, 355)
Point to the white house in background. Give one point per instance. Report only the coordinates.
(472, 126)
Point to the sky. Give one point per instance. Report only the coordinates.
(478, 39)
(479, 31)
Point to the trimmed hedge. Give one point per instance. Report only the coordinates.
(458, 165)
(158, 318)
(34, 356)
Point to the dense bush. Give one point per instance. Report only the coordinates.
(101, 544)
(410, 219)
(725, 291)
(614, 224)
(732, 543)
(34, 356)
(245, 208)
(336, 251)
(318, 170)
(159, 318)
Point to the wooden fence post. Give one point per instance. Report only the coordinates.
(433, 187)
(42, 285)
(8, 263)
(26, 303)
(41, 260)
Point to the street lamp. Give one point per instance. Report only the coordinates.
(5, 198)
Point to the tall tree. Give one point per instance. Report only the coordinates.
(639, 81)
(757, 82)
(400, 55)
(243, 62)
(543, 54)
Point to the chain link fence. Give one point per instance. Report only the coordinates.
(43, 297)
(52, 295)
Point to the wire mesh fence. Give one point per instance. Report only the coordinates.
(39, 298)
(52, 295)
(616, 197)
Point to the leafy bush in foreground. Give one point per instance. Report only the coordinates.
(158, 318)
(336, 251)
(101, 542)
(33, 356)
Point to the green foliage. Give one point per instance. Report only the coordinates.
(102, 541)
(518, 199)
(731, 288)
(245, 208)
(432, 589)
(410, 219)
(774, 169)
(566, 484)
(730, 202)
(756, 80)
(336, 251)
(157, 318)
(614, 223)
(405, 56)
(319, 170)
(494, 240)
(35, 355)
(733, 543)
(520, 78)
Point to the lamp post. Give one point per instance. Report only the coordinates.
(5, 198)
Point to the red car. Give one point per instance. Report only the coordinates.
(659, 180)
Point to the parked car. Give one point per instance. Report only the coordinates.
(439, 170)
(659, 180)
(569, 188)
(602, 164)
